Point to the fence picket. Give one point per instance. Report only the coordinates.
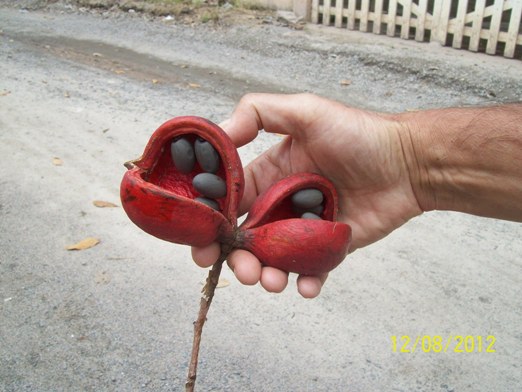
(392, 13)
(421, 20)
(406, 16)
(494, 28)
(377, 19)
(326, 12)
(497, 22)
(476, 26)
(315, 11)
(459, 22)
(351, 14)
(514, 27)
(363, 21)
(339, 13)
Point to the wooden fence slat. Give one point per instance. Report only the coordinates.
(315, 11)
(494, 28)
(421, 20)
(339, 13)
(514, 26)
(459, 23)
(442, 31)
(392, 13)
(326, 12)
(377, 19)
(476, 25)
(351, 14)
(365, 8)
(406, 16)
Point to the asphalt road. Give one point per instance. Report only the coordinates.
(89, 89)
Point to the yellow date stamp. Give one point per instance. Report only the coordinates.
(443, 344)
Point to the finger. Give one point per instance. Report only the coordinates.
(246, 266)
(310, 286)
(259, 175)
(273, 279)
(276, 113)
(206, 256)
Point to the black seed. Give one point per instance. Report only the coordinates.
(317, 210)
(307, 198)
(310, 215)
(210, 185)
(209, 202)
(207, 156)
(182, 154)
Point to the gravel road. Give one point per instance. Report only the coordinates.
(80, 93)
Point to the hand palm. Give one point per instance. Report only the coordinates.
(361, 154)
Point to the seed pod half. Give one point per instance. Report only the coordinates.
(160, 199)
(277, 235)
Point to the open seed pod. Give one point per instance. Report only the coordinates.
(187, 186)
(160, 192)
(292, 226)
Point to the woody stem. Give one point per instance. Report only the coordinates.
(204, 305)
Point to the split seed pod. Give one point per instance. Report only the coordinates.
(160, 199)
(280, 238)
(161, 194)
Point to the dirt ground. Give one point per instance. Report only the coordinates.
(82, 89)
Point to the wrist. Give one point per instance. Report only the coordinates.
(415, 141)
(465, 159)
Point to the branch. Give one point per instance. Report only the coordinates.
(204, 305)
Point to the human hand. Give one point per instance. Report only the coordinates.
(360, 152)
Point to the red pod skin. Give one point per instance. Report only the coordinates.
(308, 247)
(159, 200)
(303, 246)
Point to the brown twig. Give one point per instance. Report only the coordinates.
(204, 305)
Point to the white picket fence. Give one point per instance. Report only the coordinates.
(491, 26)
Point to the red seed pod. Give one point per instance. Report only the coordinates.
(276, 234)
(160, 199)
(160, 194)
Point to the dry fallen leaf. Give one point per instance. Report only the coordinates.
(86, 243)
(194, 85)
(57, 161)
(119, 71)
(345, 82)
(103, 204)
(155, 81)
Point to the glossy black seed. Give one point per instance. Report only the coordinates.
(210, 185)
(310, 215)
(209, 202)
(317, 210)
(307, 198)
(207, 156)
(182, 154)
